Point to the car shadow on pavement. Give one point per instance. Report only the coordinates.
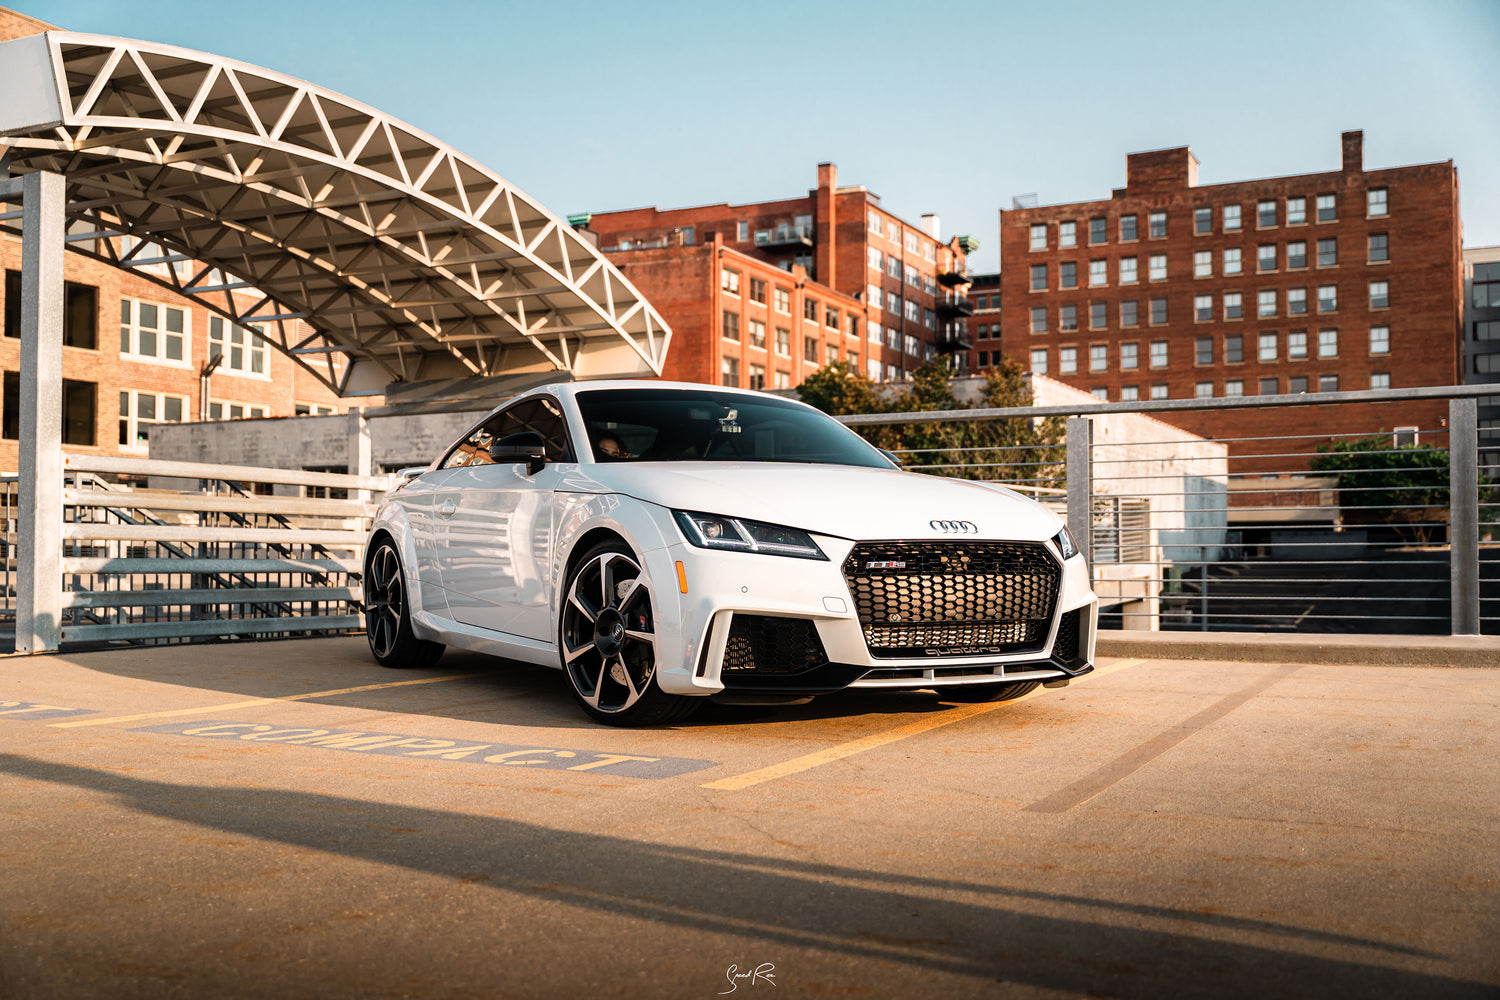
(935, 925)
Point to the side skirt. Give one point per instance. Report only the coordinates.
(481, 640)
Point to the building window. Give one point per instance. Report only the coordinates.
(1097, 231)
(1157, 221)
(757, 334)
(1231, 218)
(893, 338)
(1234, 349)
(1157, 267)
(893, 303)
(731, 326)
(1039, 236)
(1232, 262)
(729, 372)
(810, 309)
(1296, 301)
(783, 342)
(1067, 318)
(1039, 319)
(1128, 313)
(783, 299)
(875, 257)
(893, 267)
(1098, 315)
(1203, 264)
(830, 354)
(1098, 274)
(78, 410)
(1067, 234)
(241, 348)
(1297, 385)
(1067, 361)
(1130, 356)
(1380, 294)
(984, 359)
(1204, 390)
(1127, 227)
(153, 332)
(1158, 390)
(1265, 213)
(1127, 271)
(742, 234)
(80, 312)
(1265, 258)
(1067, 274)
(1328, 208)
(1039, 360)
(758, 290)
(1380, 380)
(729, 281)
(1159, 310)
(1038, 277)
(1130, 393)
(1328, 383)
(1203, 308)
(783, 380)
(1265, 303)
(220, 410)
(1328, 253)
(1296, 345)
(1233, 305)
(1375, 203)
(984, 331)
(1203, 220)
(1485, 285)
(831, 318)
(1098, 358)
(1203, 350)
(1380, 340)
(757, 376)
(1328, 343)
(1234, 387)
(912, 311)
(1296, 255)
(1269, 386)
(1099, 392)
(1379, 248)
(1328, 298)
(810, 349)
(1296, 211)
(1267, 350)
(1158, 354)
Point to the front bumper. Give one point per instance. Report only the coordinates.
(795, 621)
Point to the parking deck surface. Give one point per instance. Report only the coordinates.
(287, 819)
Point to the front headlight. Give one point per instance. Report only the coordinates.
(711, 531)
(1065, 543)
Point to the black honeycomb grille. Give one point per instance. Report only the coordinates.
(765, 645)
(1065, 648)
(952, 598)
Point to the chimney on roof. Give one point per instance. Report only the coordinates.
(823, 225)
(1354, 151)
(931, 225)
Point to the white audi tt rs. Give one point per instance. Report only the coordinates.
(663, 542)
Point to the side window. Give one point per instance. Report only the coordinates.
(539, 415)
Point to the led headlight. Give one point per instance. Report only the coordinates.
(712, 531)
(1065, 544)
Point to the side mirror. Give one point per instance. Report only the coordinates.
(524, 446)
(406, 475)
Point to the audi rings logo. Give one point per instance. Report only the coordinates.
(955, 527)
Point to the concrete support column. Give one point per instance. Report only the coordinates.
(1463, 514)
(359, 449)
(39, 535)
(1080, 432)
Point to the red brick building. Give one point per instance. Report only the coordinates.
(1340, 280)
(984, 324)
(897, 288)
(133, 353)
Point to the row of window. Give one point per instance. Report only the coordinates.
(1207, 351)
(1269, 213)
(1485, 285)
(813, 310)
(913, 243)
(1268, 305)
(1271, 386)
(729, 370)
(1268, 260)
(891, 264)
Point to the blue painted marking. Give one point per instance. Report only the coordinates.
(36, 710)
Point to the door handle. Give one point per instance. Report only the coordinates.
(448, 507)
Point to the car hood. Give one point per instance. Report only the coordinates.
(843, 501)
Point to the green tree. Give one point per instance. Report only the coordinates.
(1405, 487)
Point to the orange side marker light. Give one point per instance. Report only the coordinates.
(681, 577)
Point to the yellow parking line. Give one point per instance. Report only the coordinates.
(737, 781)
(260, 701)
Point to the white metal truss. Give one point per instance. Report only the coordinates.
(365, 249)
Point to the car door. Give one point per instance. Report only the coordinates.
(495, 524)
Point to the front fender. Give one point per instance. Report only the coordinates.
(392, 520)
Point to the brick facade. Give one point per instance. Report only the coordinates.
(826, 244)
(1201, 274)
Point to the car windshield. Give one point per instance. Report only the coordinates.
(687, 425)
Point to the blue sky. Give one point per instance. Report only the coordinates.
(591, 106)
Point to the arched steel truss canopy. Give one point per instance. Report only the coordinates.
(269, 200)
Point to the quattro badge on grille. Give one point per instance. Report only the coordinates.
(955, 527)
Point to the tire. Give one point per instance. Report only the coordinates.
(607, 642)
(387, 613)
(987, 692)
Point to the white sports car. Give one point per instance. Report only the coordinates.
(664, 542)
